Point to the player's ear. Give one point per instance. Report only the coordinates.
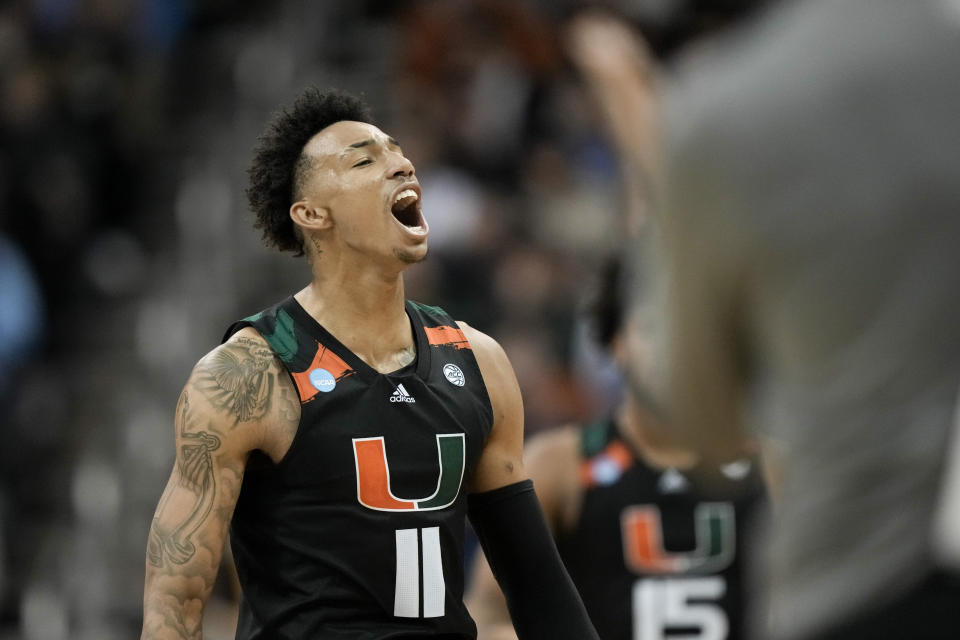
(310, 216)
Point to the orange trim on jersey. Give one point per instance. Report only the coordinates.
(616, 451)
(446, 337)
(586, 473)
(323, 359)
(620, 454)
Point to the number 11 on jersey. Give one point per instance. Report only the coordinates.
(406, 603)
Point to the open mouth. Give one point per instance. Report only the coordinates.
(406, 209)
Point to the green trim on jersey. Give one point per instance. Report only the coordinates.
(594, 437)
(283, 339)
(430, 309)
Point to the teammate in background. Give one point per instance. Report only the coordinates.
(338, 432)
(652, 539)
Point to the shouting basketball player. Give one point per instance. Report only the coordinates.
(337, 433)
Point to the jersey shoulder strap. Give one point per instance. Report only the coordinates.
(441, 329)
(276, 326)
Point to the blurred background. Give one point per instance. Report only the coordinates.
(126, 248)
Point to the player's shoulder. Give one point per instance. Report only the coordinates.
(246, 336)
(491, 357)
(495, 367)
(479, 341)
(245, 349)
(240, 378)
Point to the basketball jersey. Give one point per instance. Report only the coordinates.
(653, 554)
(358, 531)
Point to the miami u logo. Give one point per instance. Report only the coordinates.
(373, 475)
(643, 548)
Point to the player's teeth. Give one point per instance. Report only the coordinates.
(406, 193)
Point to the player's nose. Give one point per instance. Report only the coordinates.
(400, 166)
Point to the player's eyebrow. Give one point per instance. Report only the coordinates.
(366, 143)
(356, 145)
(362, 143)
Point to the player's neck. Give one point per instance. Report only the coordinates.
(649, 440)
(366, 313)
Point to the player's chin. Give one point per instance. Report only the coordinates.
(411, 254)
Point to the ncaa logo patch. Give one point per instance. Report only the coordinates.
(322, 380)
(454, 375)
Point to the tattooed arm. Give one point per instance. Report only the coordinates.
(237, 399)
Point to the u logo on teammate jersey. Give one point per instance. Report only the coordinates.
(373, 475)
(643, 545)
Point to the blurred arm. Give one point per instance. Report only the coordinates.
(703, 268)
(486, 603)
(618, 71)
(221, 416)
(551, 460)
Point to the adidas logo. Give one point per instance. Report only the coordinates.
(401, 395)
(672, 481)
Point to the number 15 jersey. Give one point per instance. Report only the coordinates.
(358, 531)
(656, 553)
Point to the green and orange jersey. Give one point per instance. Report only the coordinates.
(358, 531)
(658, 553)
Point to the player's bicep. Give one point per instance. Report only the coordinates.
(189, 527)
(198, 500)
(502, 460)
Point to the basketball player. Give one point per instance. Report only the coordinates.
(652, 538)
(338, 433)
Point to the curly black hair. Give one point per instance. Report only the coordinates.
(278, 164)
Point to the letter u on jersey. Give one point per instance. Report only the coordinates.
(643, 542)
(373, 475)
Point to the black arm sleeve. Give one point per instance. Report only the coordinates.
(542, 600)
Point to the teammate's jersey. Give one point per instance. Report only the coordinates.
(358, 531)
(653, 554)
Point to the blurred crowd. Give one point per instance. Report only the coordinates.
(126, 248)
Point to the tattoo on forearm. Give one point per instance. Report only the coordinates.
(195, 466)
(237, 379)
(167, 617)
